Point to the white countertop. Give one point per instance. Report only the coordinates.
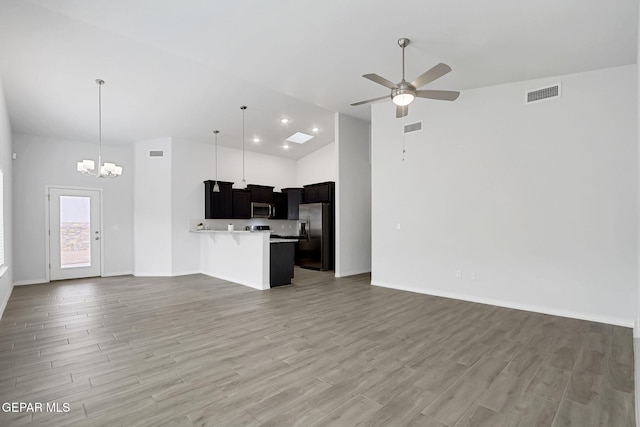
(226, 231)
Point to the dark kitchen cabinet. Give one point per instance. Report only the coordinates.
(217, 205)
(281, 206)
(294, 198)
(322, 192)
(241, 204)
(281, 263)
(261, 193)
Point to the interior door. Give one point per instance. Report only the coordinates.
(74, 233)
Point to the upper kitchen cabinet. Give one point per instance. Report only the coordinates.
(280, 205)
(319, 193)
(294, 198)
(241, 204)
(217, 205)
(261, 193)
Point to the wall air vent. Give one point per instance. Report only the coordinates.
(413, 127)
(156, 153)
(543, 94)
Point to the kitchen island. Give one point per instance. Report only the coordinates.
(247, 257)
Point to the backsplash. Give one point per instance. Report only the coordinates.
(279, 226)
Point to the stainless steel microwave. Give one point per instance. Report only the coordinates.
(262, 210)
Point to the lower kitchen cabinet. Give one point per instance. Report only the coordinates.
(281, 263)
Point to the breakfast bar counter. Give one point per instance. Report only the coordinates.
(250, 258)
(237, 256)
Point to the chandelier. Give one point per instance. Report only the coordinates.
(88, 167)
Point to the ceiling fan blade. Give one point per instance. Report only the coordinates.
(442, 95)
(369, 100)
(380, 80)
(431, 75)
(401, 111)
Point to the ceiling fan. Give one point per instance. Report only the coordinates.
(403, 93)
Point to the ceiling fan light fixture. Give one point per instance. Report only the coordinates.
(402, 97)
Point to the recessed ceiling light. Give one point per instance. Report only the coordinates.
(284, 121)
(299, 138)
(315, 130)
(256, 139)
(285, 146)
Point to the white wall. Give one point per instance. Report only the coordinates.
(353, 197)
(260, 169)
(636, 329)
(152, 209)
(6, 280)
(318, 166)
(539, 201)
(192, 164)
(169, 196)
(47, 161)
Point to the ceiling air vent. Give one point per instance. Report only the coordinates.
(413, 127)
(156, 153)
(543, 94)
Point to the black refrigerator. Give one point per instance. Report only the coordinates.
(315, 244)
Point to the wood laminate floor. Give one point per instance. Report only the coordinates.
(195, 350)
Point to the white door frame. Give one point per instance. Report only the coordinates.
(46, 226)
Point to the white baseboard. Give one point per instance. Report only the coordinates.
(351, 273)
(612, 320)
(151, 274)
(186, 273)
(235, 280)
(5, 302)
(156, 274)
(30, 282)
(636, 356)
(118, 273)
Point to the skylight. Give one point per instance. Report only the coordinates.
(299, 138)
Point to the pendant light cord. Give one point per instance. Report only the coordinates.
(216, 133)
(243, 109)
(100, 83)
(404, 119)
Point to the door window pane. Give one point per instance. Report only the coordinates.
(75, 232)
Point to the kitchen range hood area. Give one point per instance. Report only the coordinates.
(254, 237)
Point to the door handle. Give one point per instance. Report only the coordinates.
(97, 238)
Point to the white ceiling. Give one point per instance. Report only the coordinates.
(182, 69)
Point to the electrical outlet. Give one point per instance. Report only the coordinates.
(397, 226)
(473, 276)
(458, 274)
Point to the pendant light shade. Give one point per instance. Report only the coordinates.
(243, 183)
(216, 187)
(88, 167)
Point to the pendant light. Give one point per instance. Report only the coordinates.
(243, 183)
(216, 187)
(87, 167)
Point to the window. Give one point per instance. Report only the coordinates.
(1, 223)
